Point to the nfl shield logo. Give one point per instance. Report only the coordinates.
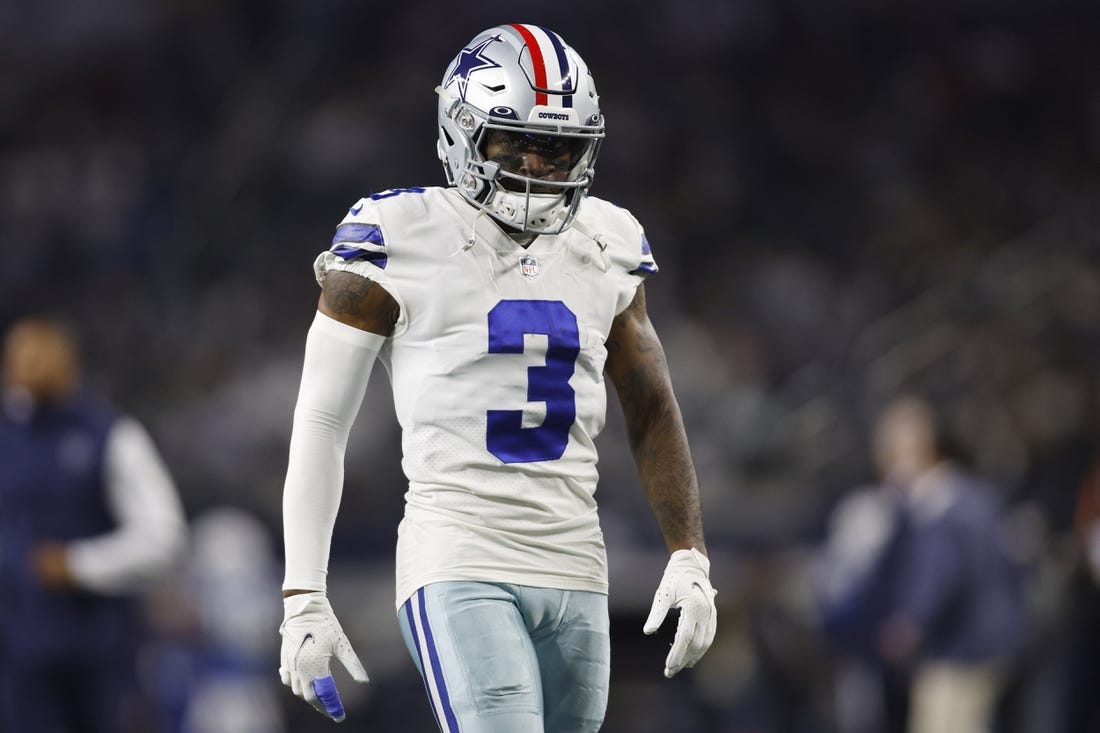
(529, 266)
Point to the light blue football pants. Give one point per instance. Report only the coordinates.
(501, 658)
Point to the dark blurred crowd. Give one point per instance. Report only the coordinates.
(848, 201)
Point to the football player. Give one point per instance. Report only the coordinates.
(497, 304)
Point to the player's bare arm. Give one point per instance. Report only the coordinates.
(637, 367)
(359, 302)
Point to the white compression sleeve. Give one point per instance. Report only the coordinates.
(337, 365)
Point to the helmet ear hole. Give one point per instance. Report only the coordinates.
(450, 140)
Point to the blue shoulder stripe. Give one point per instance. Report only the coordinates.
(354, 232)
(351, 252)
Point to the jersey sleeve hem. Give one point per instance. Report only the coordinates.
(328, 261)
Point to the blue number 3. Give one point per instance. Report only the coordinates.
(509, 320)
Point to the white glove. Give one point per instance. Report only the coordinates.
(311, 638)
(686, 586)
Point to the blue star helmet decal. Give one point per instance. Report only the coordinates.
(469, 61)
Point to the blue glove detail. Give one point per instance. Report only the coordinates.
(325, 688)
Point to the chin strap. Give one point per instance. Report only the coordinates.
(603, 261)
(472, 239)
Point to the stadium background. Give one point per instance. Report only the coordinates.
(846, 199)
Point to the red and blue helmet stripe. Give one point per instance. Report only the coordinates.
(554, 79)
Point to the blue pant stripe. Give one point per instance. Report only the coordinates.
(437, 670)
(416, 643)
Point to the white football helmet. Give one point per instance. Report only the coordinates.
(515, 89)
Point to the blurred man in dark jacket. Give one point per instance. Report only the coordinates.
(956, 616)
(925, 587)
(87, 514)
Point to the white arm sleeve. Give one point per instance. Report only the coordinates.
(150, 532)
(337, 365)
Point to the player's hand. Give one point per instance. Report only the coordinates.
(686, 586)
(311, 638)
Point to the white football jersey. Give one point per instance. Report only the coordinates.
(497, 367)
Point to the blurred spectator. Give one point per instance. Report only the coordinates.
(852, 580)
(235, 588)
(88, 513)
(206, 664)
(1081, 708)
(956, 618)
(939, 599)
(1087, 526)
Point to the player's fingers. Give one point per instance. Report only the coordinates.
(685, 630)
(702, 609)
(305, 683)
(284, 675)
(674, 662)
(328, 699)
(657, 613)
(697, 645)
(317, 705)
(309, 694)
(351, 662)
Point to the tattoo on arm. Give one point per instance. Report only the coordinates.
(358, 301)
(637, 367)
(344, 293)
